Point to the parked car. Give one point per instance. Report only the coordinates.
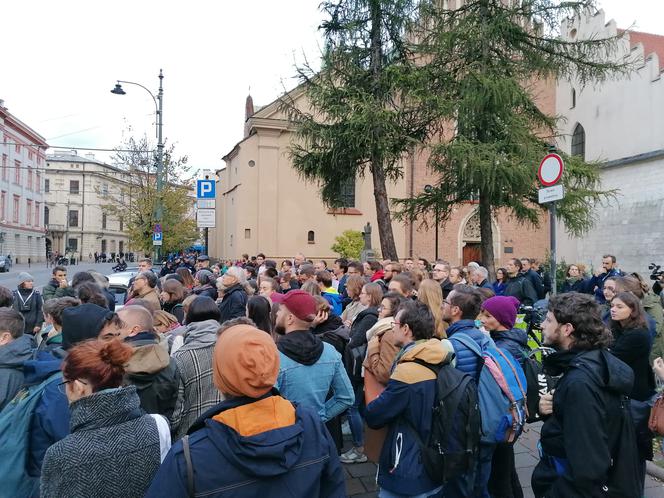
(118, 284)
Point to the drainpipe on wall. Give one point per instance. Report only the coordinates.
(412, 191)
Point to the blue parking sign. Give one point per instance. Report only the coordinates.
(205, 189)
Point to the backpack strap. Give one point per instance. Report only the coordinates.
(468, 341)
(190, 467)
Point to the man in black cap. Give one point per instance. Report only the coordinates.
(203, 262)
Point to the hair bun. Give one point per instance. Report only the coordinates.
(115, 353)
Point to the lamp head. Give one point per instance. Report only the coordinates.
(118, 90)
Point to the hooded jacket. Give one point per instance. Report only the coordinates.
(148, 293)
(196, 391)
(233, 304)
(309, 368)
(576, 440)
(255, 447)
(154, 373)
(381, 350)
(515, 341)
(50, 420)
(334, 299)
(113, 449)
(12, 357)
(632, 346)
(409, 396)
(364, 320)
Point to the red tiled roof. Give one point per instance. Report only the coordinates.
(651, 43)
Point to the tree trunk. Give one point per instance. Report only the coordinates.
(486, 235)
(388, 248)
(383, 216)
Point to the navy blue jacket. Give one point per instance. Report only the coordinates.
(409, 396)
(580, 285)
(50, 421)
(296, 460)
(233, 304)
(467, 360)
(515, 341)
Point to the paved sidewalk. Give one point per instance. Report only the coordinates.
(361, 478)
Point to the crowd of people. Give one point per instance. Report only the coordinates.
(240, 378)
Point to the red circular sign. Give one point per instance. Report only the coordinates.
(550, 170)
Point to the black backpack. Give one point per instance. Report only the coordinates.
(538, 382)
(623, 480)
(454, 438)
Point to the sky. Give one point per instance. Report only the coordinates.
(61, 60)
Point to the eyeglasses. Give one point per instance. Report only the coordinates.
(445, 301)
(62, 385)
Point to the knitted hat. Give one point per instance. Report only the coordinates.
(301, 304)
(245, 362)
(83, 322)
(204, 276)
(503, 309)
(24, 277)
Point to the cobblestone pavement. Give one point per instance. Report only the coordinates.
(361, 478)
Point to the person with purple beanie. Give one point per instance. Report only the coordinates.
(498, 316)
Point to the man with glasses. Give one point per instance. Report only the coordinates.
(58, 285)
(441, 274)
(406, 403)
(460, 309)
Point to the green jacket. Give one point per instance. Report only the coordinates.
(53, 290)
(653, 307)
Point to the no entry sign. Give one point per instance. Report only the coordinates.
(550, 170)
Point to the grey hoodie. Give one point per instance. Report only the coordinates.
(12, 356)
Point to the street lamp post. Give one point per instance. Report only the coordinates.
(428, 189)
(159, 111)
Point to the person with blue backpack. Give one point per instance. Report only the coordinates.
(588, 443)
(498, 316)
(501, 387)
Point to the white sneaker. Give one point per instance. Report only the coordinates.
(353, 456)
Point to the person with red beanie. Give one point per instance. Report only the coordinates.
(255, 443)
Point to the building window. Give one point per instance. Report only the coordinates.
(311, 237)
(4, 167)
(573, 98)
(579, 142)
(121, 221)
(17, 148)
(37, 209)
(121, 247)
(72, 245)
(38, 183)
(103, 245)
(31, 155)
(28, 212)
(3, 200)
(103, 221)
(47, 216)
(17, 200)
(47, 185)
(73, 217)
(348, 192)
(29, 178)
(17, 172)
(73, 186)
(247, 233)
(104, 189)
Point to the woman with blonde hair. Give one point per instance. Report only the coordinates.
(431, 294)
(354, 286)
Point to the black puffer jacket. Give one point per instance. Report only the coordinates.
(233, 304)
(584, 427)
(364, 320)
(515, 341)
(28, 302)
(521, 288)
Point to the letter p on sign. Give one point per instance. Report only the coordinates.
(205, 189)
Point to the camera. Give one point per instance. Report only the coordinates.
(656, 271)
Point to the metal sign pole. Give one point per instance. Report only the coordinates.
(552, 230)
